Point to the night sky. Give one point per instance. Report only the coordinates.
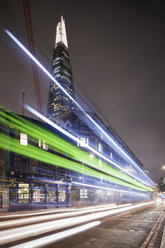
(117, 55)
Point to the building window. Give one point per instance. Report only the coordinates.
(1, 171)
(45, 147)
(38, 195)
(61, 196)
(83, 193)
(100, 147)
(39, 143)
(92, 142)
(23, 139)
(42, 144)
(23, 193)
(83, 142)
(51, 196)
(17, 165)
(23, 165)
(34, 168)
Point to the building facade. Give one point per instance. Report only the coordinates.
(42, 168)
(27, 182)
(62, 111)
(4, 191)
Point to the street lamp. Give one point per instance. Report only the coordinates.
(163, 167)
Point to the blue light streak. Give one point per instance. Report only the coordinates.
(110, 189)
(42, 117)
(78, 105)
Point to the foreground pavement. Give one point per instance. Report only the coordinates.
(95, 227)
(125, 231)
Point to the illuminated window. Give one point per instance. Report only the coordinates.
(84, 142)
(66, 73)
(100, 147)
(23, 193)
(23, 185)
(83, 193)
(57, 58)
(61, 196)
(38, 195)
(39, 143)
(51, 195)
(44, 146)
(64, 54)
(23, 139)
(111, 155)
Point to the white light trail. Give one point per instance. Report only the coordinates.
(36, 213)
(31, 220)
(51, 123)
(110, 189)
(75, 102)
(55, 211)
(19, 233)
(58, 236)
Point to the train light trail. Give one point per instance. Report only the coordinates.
(76, 103)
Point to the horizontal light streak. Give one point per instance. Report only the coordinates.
(77, 140)
(13, 145)
(110, 189)
(32, 220)
(75, 102)
(58, 236)
(63, 146)
(19, 233)
(55, 211)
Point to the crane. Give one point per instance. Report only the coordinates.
(29, 29)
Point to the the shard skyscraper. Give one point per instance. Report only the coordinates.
(58, 102)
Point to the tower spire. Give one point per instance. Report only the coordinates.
(58, 103)
(61, 33)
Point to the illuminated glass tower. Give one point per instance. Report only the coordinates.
(58, 102)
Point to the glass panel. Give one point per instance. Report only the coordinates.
(61, 196)
(23, 139)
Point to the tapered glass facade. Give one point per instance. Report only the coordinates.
(58, 102)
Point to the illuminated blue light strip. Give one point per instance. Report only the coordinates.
(78, 105)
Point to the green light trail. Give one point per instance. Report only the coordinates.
(13, 145)
(58, 144)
